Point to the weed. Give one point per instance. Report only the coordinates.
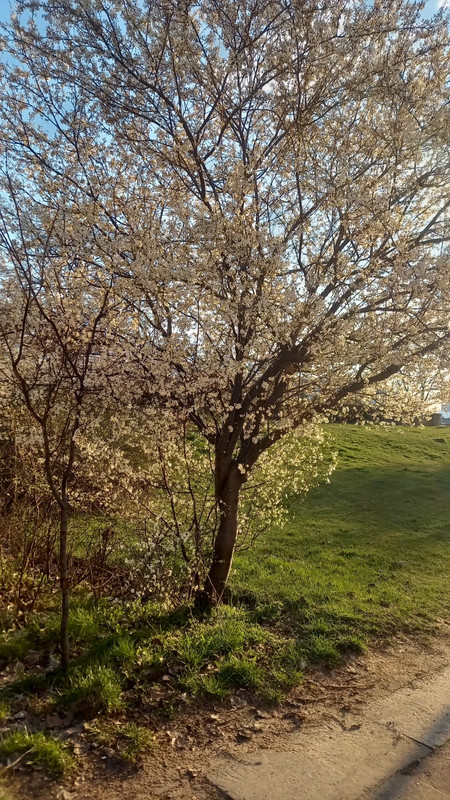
(129, 740)
(14, 646)
(321, 649)
(5, 791)
(241, 673)
(93, 689)
(351, 644)
(226, 631)
(123, 651)
(5, 710)
(41, 749)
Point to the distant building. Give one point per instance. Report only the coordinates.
(442, 417)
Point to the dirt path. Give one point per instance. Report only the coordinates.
(376, 753)
(328, 730)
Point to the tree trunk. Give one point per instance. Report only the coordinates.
(225, 539)
(64, 582)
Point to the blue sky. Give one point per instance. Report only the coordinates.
(5, 6)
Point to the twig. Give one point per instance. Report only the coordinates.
(350, 686)
(334, 687)
(314, 699)
(341, 688)
(13, 763)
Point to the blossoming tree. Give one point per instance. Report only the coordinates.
(58, 316)
(283, 239)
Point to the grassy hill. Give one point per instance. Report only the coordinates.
(368, 553)
(362, 558)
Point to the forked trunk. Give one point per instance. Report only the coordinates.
(219, 571)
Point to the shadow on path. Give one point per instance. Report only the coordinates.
(427, 777)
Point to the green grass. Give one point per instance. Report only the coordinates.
(42, 631)
(5, 791)
(229, 651)
(5, 710)
(93, 689)
(41, 751)
(365, 555)
(129, 740)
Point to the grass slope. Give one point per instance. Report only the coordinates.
(367, 553)
(363, 557)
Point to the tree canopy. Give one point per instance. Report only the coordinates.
(267, 184)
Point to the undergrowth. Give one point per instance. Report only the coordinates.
(361, 559)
